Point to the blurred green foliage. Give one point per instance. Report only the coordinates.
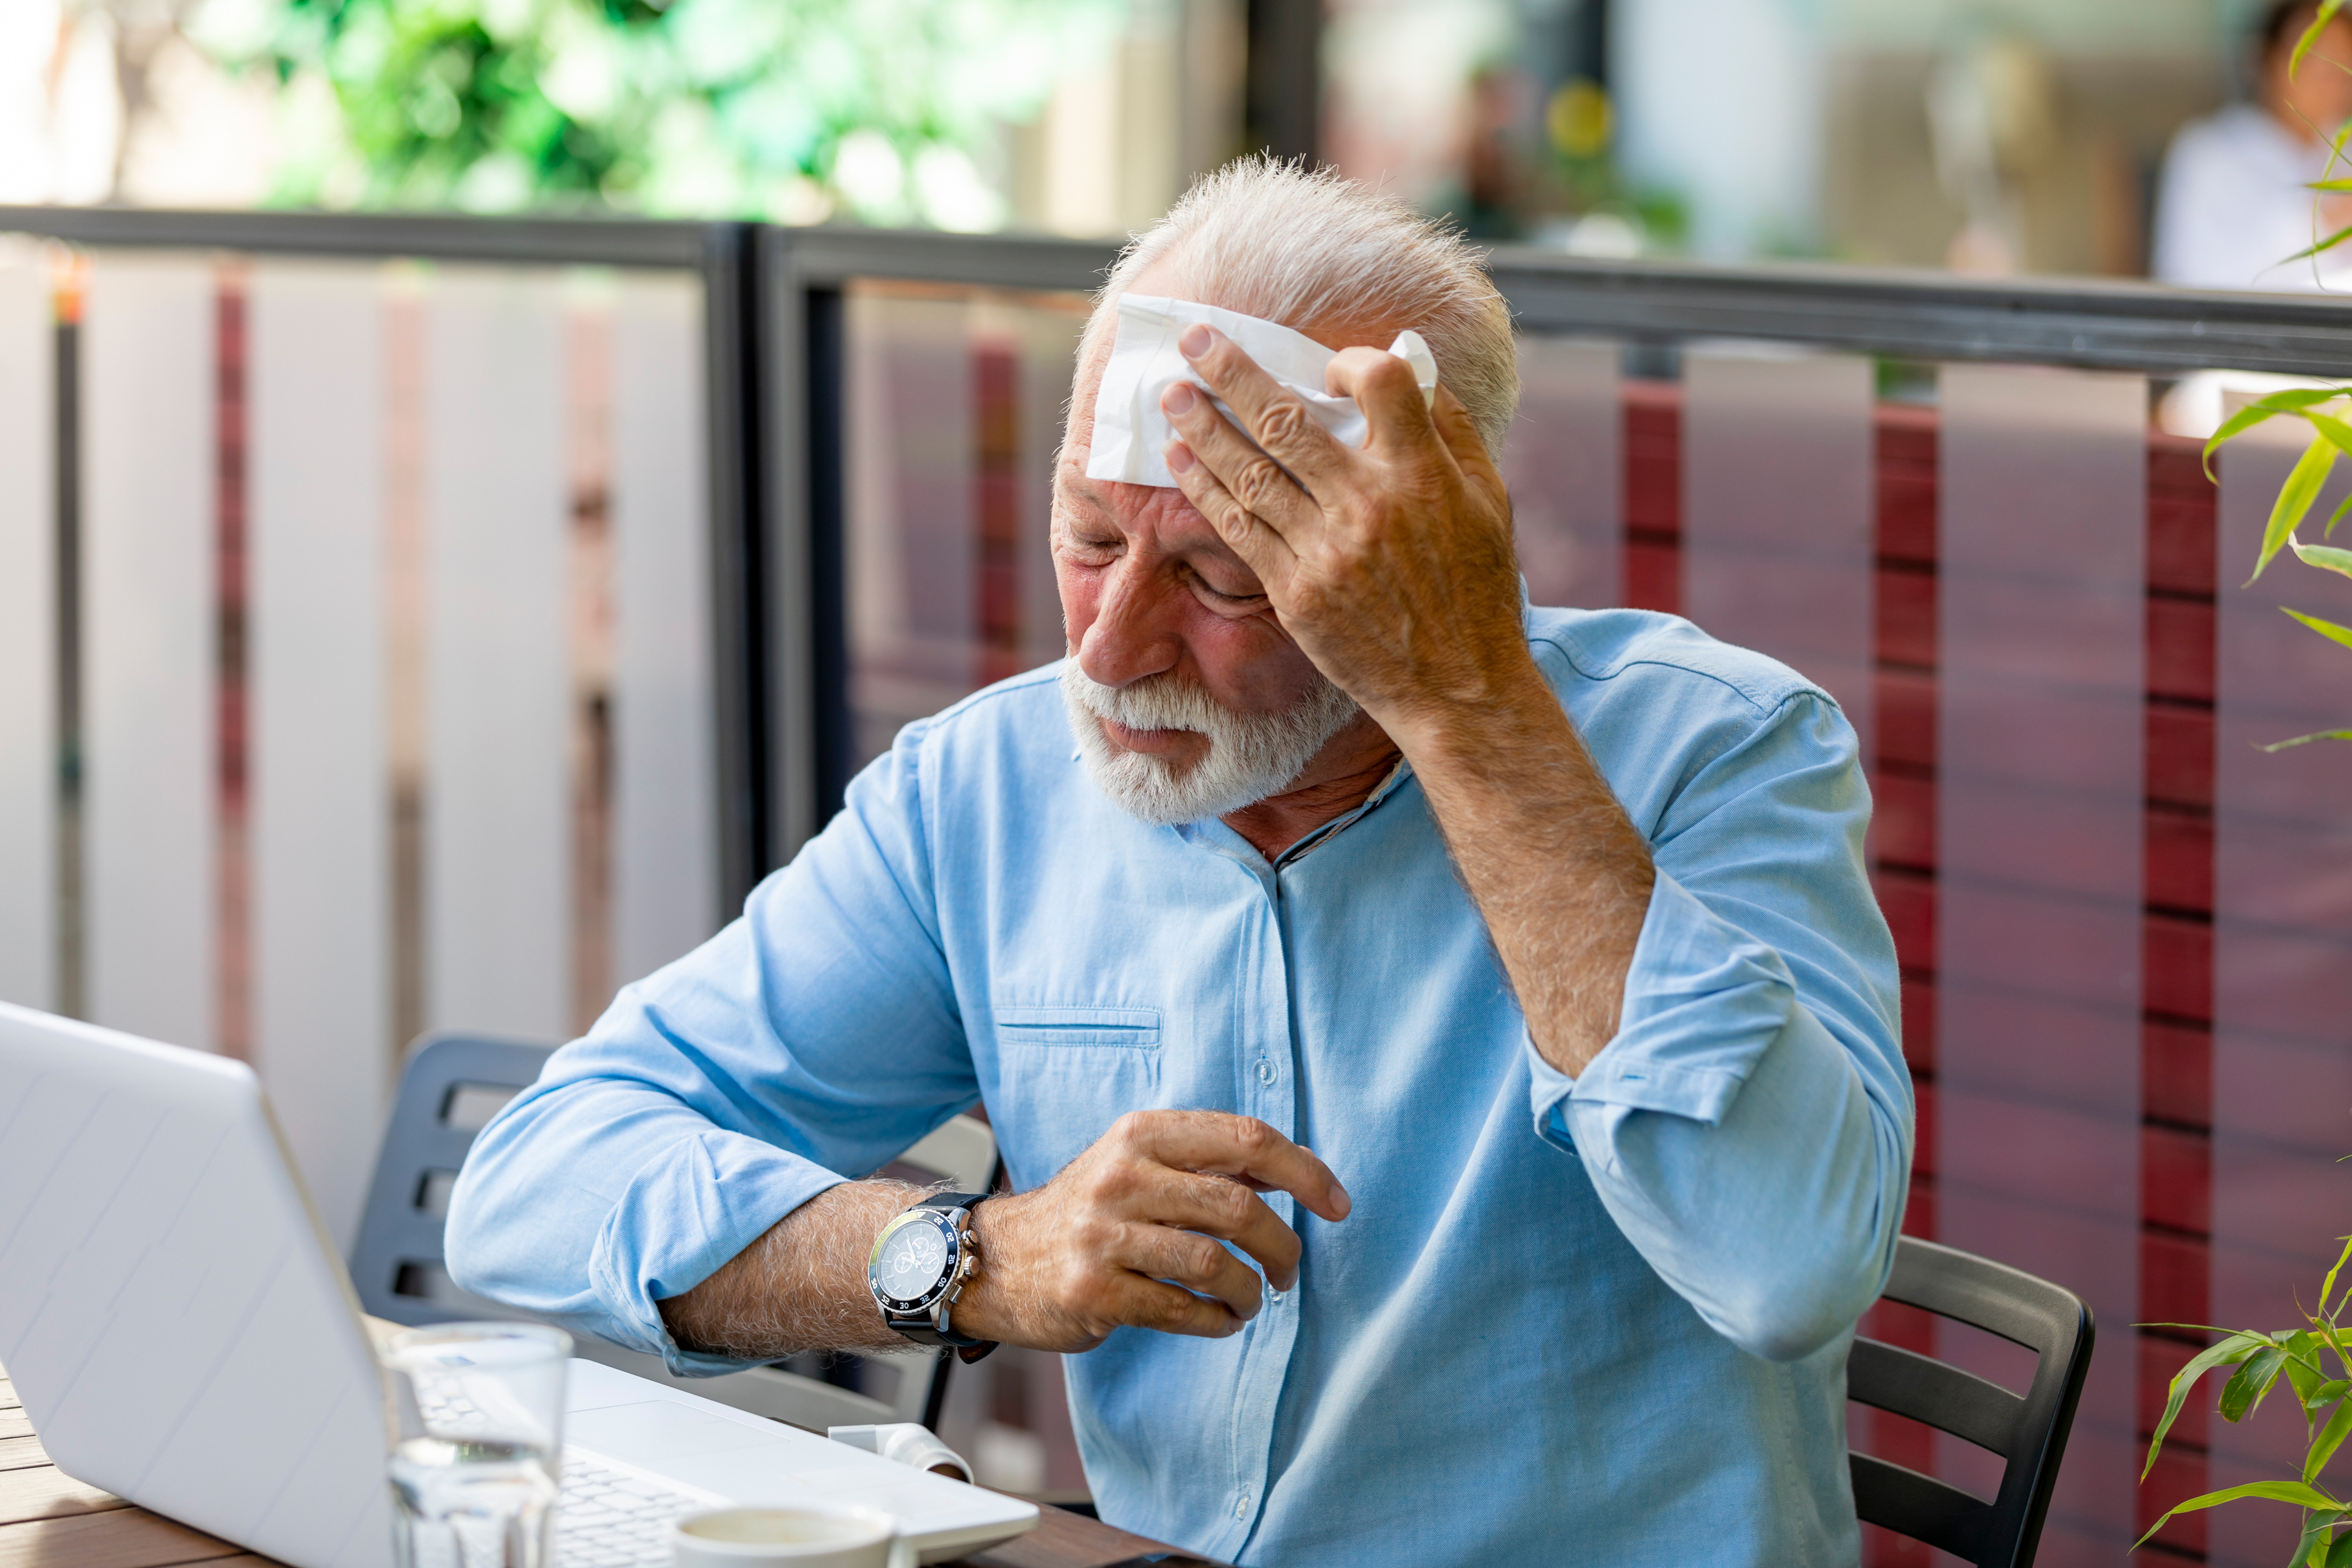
(885, 109)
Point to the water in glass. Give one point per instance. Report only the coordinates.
(474, 1412)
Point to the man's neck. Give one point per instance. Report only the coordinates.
(1342, 776)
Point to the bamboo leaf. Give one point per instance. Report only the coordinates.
(2305, 740)
(2329, 187)
(2343, 508)
(2296, 1492)
(2311, 1549)
(2340, 1555)
(2306, 1376)
(2247, 1387)
(2328, 1394)
(2291, 401)
(2236, 1348)
(2326, 557)
(2315, 246)
(2338, 433)
(2328, 1286)
(2294, 499)
(2328, 630)
(2331, 1438)
(2311, 35)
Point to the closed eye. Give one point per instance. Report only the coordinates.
(1216, 595)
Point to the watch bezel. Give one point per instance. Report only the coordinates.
(950, 1272)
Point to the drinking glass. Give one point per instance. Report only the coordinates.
(475, 1416)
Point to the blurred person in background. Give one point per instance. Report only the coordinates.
(2235, 202)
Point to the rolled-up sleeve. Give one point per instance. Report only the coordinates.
(1749, 1126)
(811, 1042)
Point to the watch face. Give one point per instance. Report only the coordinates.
(911, 1259)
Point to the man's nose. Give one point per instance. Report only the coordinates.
(1133, 633)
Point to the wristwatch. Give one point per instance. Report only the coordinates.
(919, 1267)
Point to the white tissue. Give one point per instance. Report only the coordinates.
(1129, 429)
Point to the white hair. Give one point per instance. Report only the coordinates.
(1307, 248)
(1251, 756)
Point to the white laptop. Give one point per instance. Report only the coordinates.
(183, 1335)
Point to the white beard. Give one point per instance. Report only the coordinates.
(1251, 755)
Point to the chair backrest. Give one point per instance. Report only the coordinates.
(2028, 1434)
(453, 1085)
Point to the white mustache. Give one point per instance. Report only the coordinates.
(1250, 756)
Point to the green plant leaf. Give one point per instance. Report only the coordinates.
(2327, 9)
(2328, 1394)
(2296, 1492)
(2328, 1286)
(2340, 1555)
(2338, 433)
(2331, 1438)
(2305, 740)
(2328, 630)
(2315, 246)
(2329, 187)
(2294, 499)
(2247, 1387)
(2236, 1348)
(2291, 401)
(2305, 1372)
(2326, 557)
(2311, 1549)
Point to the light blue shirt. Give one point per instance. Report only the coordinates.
(1594, 1321)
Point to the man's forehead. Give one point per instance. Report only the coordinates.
(1168, 521)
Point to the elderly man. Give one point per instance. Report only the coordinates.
(1444, 1050)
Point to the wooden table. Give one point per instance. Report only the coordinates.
(49, 1520)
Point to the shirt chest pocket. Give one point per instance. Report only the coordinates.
(1064, 1075)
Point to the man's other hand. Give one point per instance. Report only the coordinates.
(1391, 564)
(1129, 1234)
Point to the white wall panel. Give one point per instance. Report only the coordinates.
(912, 551)
(321, 807)
(664, 816)
(2040, 715)
(149, 644)
(1049, 349)
(1564, 463)
(497, 807)
(1777, 548)
(29, 755)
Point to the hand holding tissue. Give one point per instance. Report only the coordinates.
(1130, 432)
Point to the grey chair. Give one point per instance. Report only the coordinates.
(2028, 1434)
(454, 1084)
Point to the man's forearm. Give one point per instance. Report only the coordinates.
(802, 1285)
(1560, 874)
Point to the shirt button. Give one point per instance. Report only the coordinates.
(1264, 1072)
(1241, 1507)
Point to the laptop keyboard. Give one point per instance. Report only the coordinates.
(610, 1516)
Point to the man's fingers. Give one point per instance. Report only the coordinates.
(1221, 1206)
(1383, 387)
(1262, 549)
(1195, 1262)
(1275, 419)
(1171, 1309)
(1459, 431)
(1250, 476)
(1222, 1144)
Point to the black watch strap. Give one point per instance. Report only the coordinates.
(917, 1328)
(945, 1201)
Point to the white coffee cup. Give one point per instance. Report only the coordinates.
(845, 1537)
